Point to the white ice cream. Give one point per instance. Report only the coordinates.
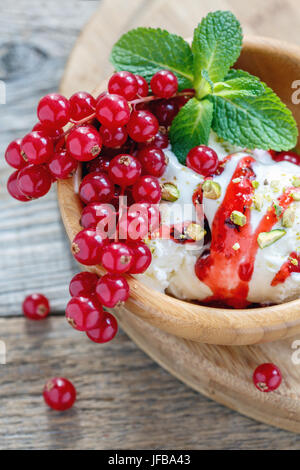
(172, 268)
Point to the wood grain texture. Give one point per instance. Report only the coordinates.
(125, 400)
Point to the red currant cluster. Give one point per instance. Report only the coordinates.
(119, 137)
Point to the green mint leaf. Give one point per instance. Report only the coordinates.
(240, 86)
(206, 77)
(216, 46)
(145, 51)
(191, 127)
(254, 122)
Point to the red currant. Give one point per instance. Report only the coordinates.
(34, 181)
(165, 111)
(124, 170)
(94, 213)
(164, 84)
(160, 140)
(36, 307)
(147, 189)
(153, 160)
(14, 189)
(100, 163)
(82, 105)
(134, 224)
(83, 284)
(142, 257)
(87, 247)
(143, 88)
(59, 394)
(267, 377)
(36, 148)
(112, 289)
(113, 111)
(116, 258)
(83, 313)
(61, 165)
(202, 160)
(96, 187)
(142, 126)
(84, 143)
(54, 134)
(291, 157)
(106, 331)
(13, 155)
(123, 84)
(182, 100)
(113, 137)
(154, 217)
(54, 111)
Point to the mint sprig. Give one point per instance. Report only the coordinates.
(235, 104)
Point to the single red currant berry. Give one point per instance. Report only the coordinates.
(96, 187)
(59, 394)
(34, 181)
(164, 84)
(147, 189)
(13, 155)
(82, 105)
(154, 217)
(142, 126)
(94, 213)
(160, 140)
(106, 331)
(36, 307)
(116, 258)
(143, 88)
(202, 160)
(267, 377)
(14, 189)
(134, 224)
(54, 134)
(61, 165)
(100, 163)
(83, 284)
(124, 170)
(112, 289)
(142, 257)
(84, 143)
(54, 111)
(153, 160)
(290, 156)
(113, 137)
(87, 247)
(83, 313)
(36, 148)
(165, 111)
(113, 111)
(123, 84)
(182, 100)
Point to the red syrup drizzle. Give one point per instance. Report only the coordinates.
(287, 269)
(228, 272)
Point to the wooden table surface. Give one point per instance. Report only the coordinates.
(124, 399)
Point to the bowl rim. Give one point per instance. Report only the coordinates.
(189, 320)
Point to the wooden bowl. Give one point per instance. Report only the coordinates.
(277, 64)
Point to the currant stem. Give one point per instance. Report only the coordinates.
(154, 98)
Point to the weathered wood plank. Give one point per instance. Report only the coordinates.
(124, 400)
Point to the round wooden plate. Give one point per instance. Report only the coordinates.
(223, 373)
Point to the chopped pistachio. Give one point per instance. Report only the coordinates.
(294, 261)
(211, 189)
(195, 232)
(169, 192)
(265, 239)
(296, 181)
(258, 201)
(255, 184)
(296, 195)
(236, 247)
(289, 216)
(278, 209)
(237, 180)
(238, 218)
(275, 185)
